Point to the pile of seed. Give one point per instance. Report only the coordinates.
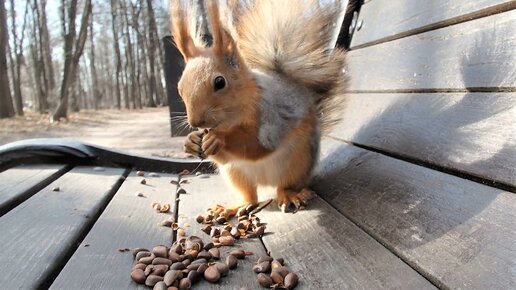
(249, 226)
(272, 273)
(185, 263)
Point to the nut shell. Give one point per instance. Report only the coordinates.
(178, 266)
(262, 267)
(185, 284)
(152, 280)
(161, 261)
(231, 261)
(227, 240)
(194, 276)
(291, 281)
(135, 251)
(212, 274)
(160, 251)
(265, 258)
(264, 280)
(276, 277)
(142, 254)
(215, 253)
(138, 276)
(160, 286)
(171, 276)
(239, 254)
(223, 269)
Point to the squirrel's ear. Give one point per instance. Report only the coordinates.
(223, 43)
(180, 31)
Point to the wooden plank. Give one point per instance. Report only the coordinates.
(203, 193)
(39, 235)
(320, 245)
(127, 222)
(21, 182)
(409, 17)
(476, 54)
(328, 251)
(459, 233)
(470, 132)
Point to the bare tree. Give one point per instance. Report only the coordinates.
(122, 64)
(73, 48)
(45, 48)
(130, 68)
(152, 53)
(6, 103)
(40, 55)
(117, 53)
(17, 59)
(93, 70)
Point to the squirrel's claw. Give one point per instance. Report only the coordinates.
(193, 143)
(211, 144)
(289, 201)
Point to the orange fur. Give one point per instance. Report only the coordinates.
(232, 113)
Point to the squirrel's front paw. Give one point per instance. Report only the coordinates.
(193, 143)
(212, 143)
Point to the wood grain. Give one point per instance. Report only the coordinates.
(202, 193)
(320, 245)
(478, 54)
(38, 234)
(383, 20)
(328, 251)
(21, 182)
(471, 132)
(127, 222)
(460, 234)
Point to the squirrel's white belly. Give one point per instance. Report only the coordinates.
(268, 171)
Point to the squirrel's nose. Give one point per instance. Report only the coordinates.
(197, 123)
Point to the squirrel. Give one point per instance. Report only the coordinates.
(261, 94)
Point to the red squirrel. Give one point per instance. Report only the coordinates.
(261, 94)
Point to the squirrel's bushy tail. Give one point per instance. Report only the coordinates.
(292, 38)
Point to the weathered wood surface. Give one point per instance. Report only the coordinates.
(204, 192)
(328, 251)
(470, 132)
(127, 222)
(476, 54)
(459, 233)
(21, 182)
(320, 245)
(38, 235)
(384, 20)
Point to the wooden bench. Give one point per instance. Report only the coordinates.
(415, 188)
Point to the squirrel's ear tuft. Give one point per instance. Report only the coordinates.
(223, 44)
(180, 31)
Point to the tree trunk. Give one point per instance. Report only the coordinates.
(93, 70)
(72, 52)
(130, 66)
(41, 98)
(144, 55)
(6, 103)
(16, 59)
(47, 52)
(39, 46)
(117, 53)
(38, 65)
(151, 53)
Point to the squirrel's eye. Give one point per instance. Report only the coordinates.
(219, 83)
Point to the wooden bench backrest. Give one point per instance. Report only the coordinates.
(434, 82)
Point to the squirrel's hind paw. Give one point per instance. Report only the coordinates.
(289, 200)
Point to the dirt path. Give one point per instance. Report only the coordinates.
(143, 132)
